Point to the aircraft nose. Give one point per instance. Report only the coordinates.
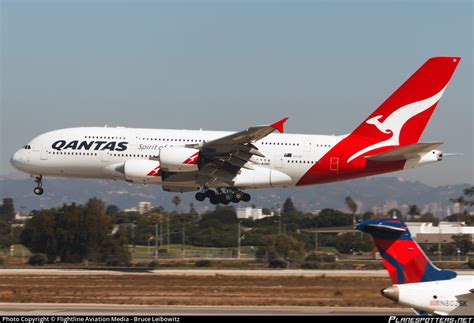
(16, 160)
(392, 293)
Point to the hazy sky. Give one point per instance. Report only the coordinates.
(228, 65)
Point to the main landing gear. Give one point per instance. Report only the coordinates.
(222, 197)
(39, 185)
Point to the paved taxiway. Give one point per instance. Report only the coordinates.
(106, 309)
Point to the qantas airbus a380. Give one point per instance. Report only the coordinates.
(219, 165)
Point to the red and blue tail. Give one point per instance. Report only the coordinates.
(402, 256)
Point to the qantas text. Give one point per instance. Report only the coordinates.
(90, 145)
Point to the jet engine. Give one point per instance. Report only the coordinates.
(179, 159)
(142, 171)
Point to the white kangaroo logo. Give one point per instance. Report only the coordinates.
(394, 123)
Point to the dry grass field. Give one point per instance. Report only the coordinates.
(194, 290)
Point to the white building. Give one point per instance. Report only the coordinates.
(144, 207)
(391, 204)
(251, 213)
(21, 218)
(426, 232)
(378, 209)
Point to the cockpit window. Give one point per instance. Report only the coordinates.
(27, 146)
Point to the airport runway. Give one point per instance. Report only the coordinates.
(180, 310)
(198, 272)
(207, 272)
(125, 310)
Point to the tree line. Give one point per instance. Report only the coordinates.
(97, 232)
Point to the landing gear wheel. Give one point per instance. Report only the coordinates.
(215, 200)
(238, 195)
(210, 194)
(38, 190)
(200, 196)
(221, 198)
(39, 182)
(235, 200)
(228, 196)
(245, 197)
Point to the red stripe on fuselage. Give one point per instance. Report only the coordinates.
(321, 171)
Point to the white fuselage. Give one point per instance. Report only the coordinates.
(94, 152)
(444, 297)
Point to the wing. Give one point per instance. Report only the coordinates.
(222, 158)
(405, 152)
(247, 136)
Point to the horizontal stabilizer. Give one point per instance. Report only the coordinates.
(387, 228)
(405, 152)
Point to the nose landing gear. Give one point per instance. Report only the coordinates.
(38, 190)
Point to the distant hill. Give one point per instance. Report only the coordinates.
(366, 191)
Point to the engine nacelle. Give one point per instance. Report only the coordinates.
(428, 158)
(179, 159)
(142, 171)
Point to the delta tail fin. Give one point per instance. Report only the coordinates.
(403, 258)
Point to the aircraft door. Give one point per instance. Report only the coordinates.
(104, 156)
(278, 161)
(43, 153)
(307, 146)
(334, 164)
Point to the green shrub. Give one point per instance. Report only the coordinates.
(154, 264)
(260, 254)
(278, 263)
(37, 259)
(320, 257)
(116, 262)
(312, 257)
(311, 265)
(470, 263)
(203, 263)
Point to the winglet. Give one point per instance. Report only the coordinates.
(279, 125)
